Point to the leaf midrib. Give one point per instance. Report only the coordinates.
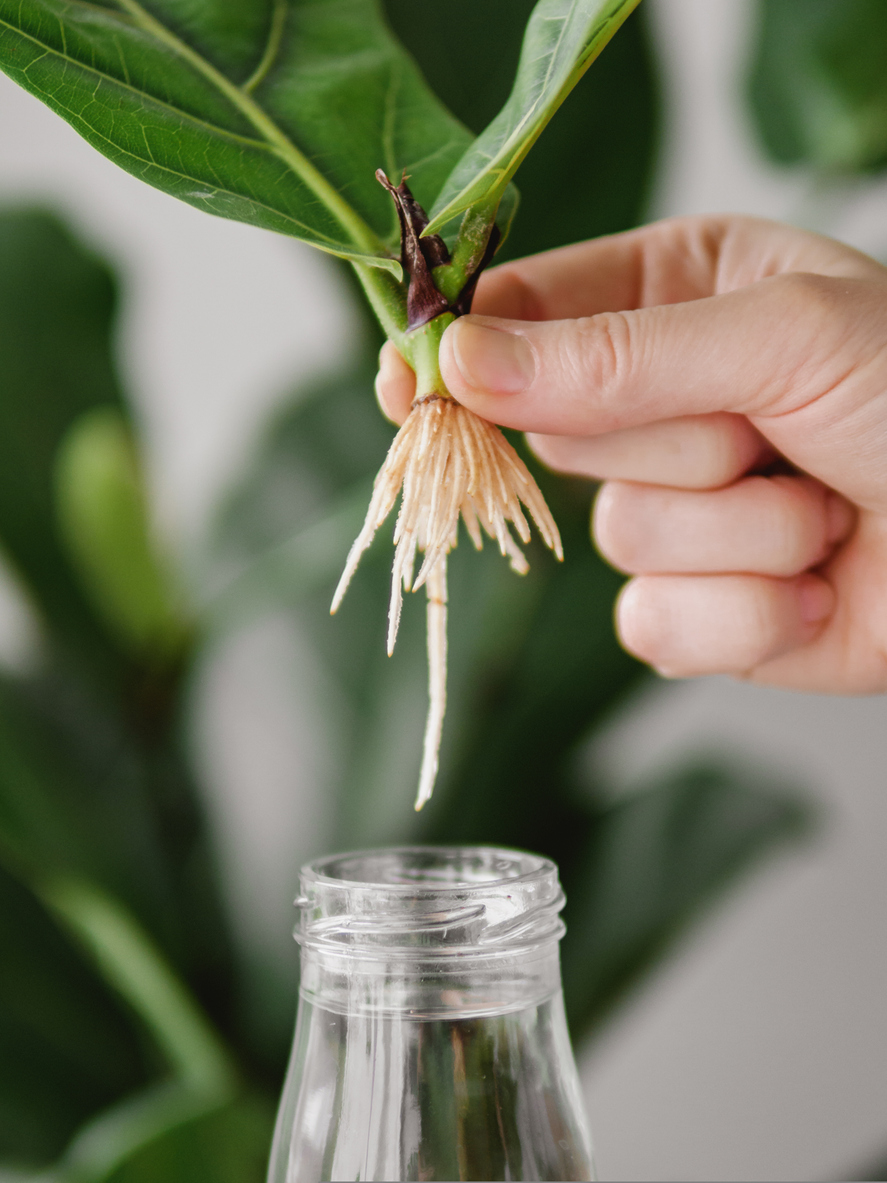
(351, 222)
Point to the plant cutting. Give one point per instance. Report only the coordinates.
(307, 117)
(104, 848)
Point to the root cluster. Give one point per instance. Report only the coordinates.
(447, 462)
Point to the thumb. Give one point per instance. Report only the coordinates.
(764, 350)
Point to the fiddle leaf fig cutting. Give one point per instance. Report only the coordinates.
(280, 113)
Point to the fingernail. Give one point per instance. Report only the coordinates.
(816, 598)
(492, 360)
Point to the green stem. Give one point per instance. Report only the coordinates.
(474, 233)
(421, 349)
(387, 298)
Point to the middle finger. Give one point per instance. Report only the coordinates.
(777, 525)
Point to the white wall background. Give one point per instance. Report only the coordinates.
(760, 1053)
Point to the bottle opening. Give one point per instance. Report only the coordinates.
(480, 898)
(430, 866)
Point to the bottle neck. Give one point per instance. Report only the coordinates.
(430, 932)
(429, 987)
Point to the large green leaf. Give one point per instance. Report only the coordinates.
(274, 112)
(563, 38)
(94, 786)
(818, 83)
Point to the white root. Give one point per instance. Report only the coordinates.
(436, 616)
(445, 462)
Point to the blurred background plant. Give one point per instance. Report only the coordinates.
(138, 1038)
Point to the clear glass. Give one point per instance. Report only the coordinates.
(431, 1041)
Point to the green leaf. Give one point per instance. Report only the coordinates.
(130, 962)
(271, 112)
(563, 38)
(167, 1133)
(103, 516)
(204, 1078)
(818, 83)
(57, 307)
(652, 861)
(589, 174)
(67, 1045)
(82, 798)
(94, 784)
(229, 1145)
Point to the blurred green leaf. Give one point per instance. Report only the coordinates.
(67, 1046)
(166, 1133)
(130, 962)
(562, 39)
(650, 863)
(228, 1146)
(57, 307)
(104, 519)
(77, 797)
(268, 111)
(94, 786)
(818, 83)
(203, 1077)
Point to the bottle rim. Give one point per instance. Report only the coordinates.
(533, 867)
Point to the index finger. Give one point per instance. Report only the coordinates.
(666, 263)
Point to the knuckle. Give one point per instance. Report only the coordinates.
(796, 524)
(602, 354)
(810, 291)
(834, 326)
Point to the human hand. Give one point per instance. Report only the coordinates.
(726, 378)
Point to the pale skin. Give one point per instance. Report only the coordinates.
(726, 379)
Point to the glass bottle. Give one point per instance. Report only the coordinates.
(431, 1041)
